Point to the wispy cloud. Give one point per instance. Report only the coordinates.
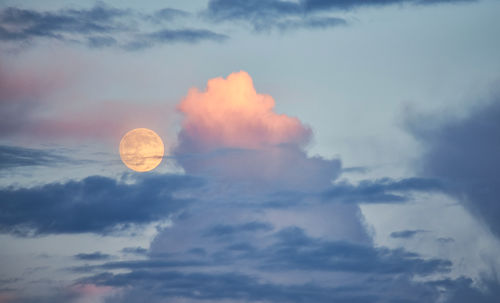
(100, 26)
(383, 190)
(95, 256)
(278, 14)
(406, 234)
(15, 156)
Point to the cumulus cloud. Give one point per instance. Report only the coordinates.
(266, 229)
(231, 114)
(231, 131)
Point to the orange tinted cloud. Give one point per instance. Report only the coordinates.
(231, 114)
(231, 132)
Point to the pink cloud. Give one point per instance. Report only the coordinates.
(26, 83)
(23, 91)
(231, 132)
(104, 121)
(231, 114)
(6, 297)
(49, 103)
(92, 290)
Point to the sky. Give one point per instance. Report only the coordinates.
(315, 151)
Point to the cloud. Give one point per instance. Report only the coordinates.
(463, 153)
(292, 253)
(285, 265)
(142, 265)
(315, 5)
(95, 204)
(232, 132)
(20, 93)
(224, 230)
(193, 287)
(31, 107)
(15, 156)
(171, 36)
(168, 14)
(270, 14)
(383, 190)
(231, 114)
(445, 240)
(95, 256)
(406, 234)
(100, 26)
(135, 250)
(296, 250)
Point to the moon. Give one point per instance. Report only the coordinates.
(141, 149)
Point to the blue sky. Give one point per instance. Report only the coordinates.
(317, 151)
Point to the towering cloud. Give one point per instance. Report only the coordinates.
(231, 114)
(231, 131)
(464, 154)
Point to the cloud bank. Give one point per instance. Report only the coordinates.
(464, 153)
(95, 204)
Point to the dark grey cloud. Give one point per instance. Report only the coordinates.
(464, 154)
(462, 290)
(269, 14)
(355, 169)
(168, 14)
(193, 287)
(135, 250)
(315, 5)
(95, 256)
(162, 286)
(383, 190)
(95, 204)
(375, 274)
(383, 275)
(150, 264)
(172, 36)
(406, 234)
(99, 26)
(292, 249)
(222, 230)
(15, 156)
(30, 23)
(296, 250)
(445, 240)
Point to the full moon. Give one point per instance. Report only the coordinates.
(141, 149)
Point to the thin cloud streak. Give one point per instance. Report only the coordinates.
(101, 26)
